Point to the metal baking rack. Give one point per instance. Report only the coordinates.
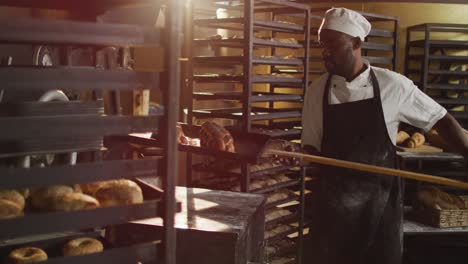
(33, 128)
(436, 61)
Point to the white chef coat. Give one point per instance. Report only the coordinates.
(402, 101)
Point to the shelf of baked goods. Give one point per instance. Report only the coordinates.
(447, 86)
(279, 232)
(79, 33)
(74, 247)
(263, 60)
(260, 184)
(297, 71)
(234, 42)
(74, 78)
(448, 44)
(280, 216)
(439, 72)
(237, 24)
(267, 78)
(284, 247)
(233, 169)
(57, 208)
(255, 97)
(444, 58)
(280, 197)
(451, 101)
(440, 27)
(257, 114)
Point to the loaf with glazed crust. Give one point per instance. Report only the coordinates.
(216, 137)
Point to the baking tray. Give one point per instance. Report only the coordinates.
(34, 222)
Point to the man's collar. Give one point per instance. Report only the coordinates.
(363, 76)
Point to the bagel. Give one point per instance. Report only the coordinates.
(27, 255)
(13, 196)
(73, 202)
(9, 209)
(82, 246)
(43, 198)
(119, 192)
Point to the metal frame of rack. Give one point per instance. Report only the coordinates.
(81, 126)
(248, 115)
(427, 45)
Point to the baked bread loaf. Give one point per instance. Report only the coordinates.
(91, 188)
(62, 198)
(73, 202)
(402, 136)
(82, 246)
(9, 209)
(435, 198)
(13, 196)
(120, 192)
(216, 137)
(44, 198)
(27, 255)
(416, 140)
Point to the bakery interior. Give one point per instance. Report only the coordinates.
(131, 130)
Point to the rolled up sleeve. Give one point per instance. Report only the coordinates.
(417, 108)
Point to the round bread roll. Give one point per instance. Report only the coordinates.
(27, 255)
(91, 188)
(416, 140)
(402, 136)
(73, 202)
(43, 198)
(82, 246)
(9, 209)
(119, 192)
(14, 196)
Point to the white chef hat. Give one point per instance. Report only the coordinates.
(347, 21)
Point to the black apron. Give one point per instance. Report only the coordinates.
(359, 216)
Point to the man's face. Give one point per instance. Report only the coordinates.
(338, 52)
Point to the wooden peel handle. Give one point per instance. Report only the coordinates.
(372, 168)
